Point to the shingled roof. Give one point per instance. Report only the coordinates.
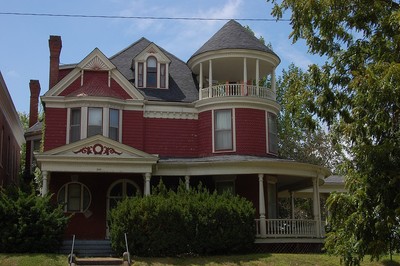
(182, 86)
(233, 36)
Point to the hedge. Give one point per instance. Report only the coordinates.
(29, 223)
(194, 221)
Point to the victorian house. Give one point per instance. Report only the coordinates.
(115, 126)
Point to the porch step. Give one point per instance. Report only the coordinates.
(99, 261)
(88, 248)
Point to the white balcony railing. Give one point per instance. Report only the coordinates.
(224, 90)
(288, 228)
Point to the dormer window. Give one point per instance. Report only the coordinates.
(151, 72)
(151, 68)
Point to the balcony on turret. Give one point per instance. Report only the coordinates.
(235, 63)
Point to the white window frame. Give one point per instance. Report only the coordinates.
(233, 129)
(267, 117)
(65, 196)
(84, 122)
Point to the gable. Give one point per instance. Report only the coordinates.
(96, 61)
(152, 50)
(96, 154)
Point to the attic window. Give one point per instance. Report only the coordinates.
(151, 71)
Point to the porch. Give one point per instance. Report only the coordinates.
(290, 228)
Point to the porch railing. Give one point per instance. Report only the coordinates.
(223, 90)
(288, 228)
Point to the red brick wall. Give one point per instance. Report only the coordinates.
(55, 128)
(250, 132)
(171, 137)
(133, 129)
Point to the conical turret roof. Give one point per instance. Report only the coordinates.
(233, 36)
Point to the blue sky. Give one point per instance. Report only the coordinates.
(24, 52)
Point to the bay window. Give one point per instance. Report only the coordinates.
(95, 121)
(113, 132)
(75, 125)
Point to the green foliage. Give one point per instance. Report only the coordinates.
(356, 92)
(29, 223)
(301, 136)
(169, 223)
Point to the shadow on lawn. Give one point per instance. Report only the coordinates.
(390, 263)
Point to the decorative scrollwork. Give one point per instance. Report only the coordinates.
(97, 149)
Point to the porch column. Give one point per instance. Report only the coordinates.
(147, 178)
(263, 224)
(316, 206)
(201, 81)
(45, 183)
(257, 77)
(273, 82)
(187, 182)
(245, 75)
(210, 77)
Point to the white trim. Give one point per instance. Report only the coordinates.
(229, 53)
(233, 118)
(237, 102)
(170, 111)
(81, 210)
(10, 113)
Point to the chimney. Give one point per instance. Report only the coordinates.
(34, 86)
(55, 45)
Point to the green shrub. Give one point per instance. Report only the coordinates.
(29, 223)
(169, 223)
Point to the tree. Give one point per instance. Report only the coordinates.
(302, 137)
(24, 118)
(357, 93)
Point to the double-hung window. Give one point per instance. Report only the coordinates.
(163, 75)
(113, 131)
(272, 133)
(223, 137)
(95, 121)
(140, 74)
(75, 125)
(151, 72)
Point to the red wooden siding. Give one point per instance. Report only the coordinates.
(171, 137)
(250, 132)
(100, 77)
(205, 133)
(133, 129)
(55, 132)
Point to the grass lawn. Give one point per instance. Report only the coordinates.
(242, 260)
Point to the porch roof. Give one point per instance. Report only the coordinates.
(290, 174)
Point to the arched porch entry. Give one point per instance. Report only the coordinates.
(119, 190)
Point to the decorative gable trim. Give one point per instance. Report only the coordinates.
(95, 61)
(152, 50)
(96, 64)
